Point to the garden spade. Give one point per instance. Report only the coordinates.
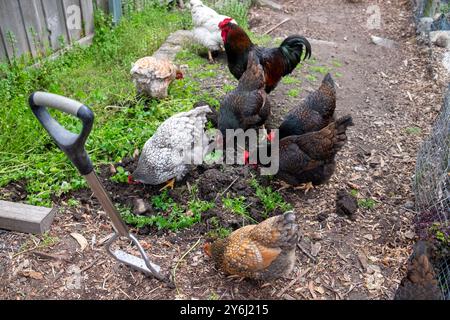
(73, 146)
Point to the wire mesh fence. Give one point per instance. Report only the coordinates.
(432, 191)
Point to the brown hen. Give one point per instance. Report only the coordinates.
(314, 113)
(246, 106)
(310, 158)
(264, 251)
(420, 282)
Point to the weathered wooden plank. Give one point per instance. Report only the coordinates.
(102, 5)
(87, 11)
(3, 48)
(55, 22)
(25, 218)
(12, 23)
(32, 24)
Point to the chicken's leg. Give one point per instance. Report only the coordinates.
(169, 185)
(210, 57)
(305, 186)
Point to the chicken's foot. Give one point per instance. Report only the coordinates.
(169, 185)
(305, 186)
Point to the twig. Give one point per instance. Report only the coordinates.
(50, 256)
(306, 252)
(300, 275)
(92, 264)
(276, 26)
(25, 251)
(125, 293)
(181, 259)
(223, 192)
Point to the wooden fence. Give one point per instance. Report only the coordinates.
(37, 27)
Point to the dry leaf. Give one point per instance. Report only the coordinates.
(80, 239)
(312, 289)
(368, 237)
(33, 275)
(320, 290)
(315, 248)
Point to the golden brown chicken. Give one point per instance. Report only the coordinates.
(420, 282)
(264, 251)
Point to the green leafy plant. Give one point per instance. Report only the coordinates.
(293, 93)
(367, 203)
(413, 130)
(237, 206)
(121, 176)
(217, 231)
(270, 199)
(290, 80)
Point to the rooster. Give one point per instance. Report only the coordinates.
(314, 113)
(206, 30)
(166, 154)
(420, 282)
(262, 252)
(277, 62)
(246, 106)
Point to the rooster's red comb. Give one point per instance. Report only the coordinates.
(225, 22)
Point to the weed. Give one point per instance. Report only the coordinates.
(121, 176)
(413, 130)
(237, 206)
(217, 231)
(270, 199)
(311, 78)
(367, 203)
(290, 80)
(293, 93)
(319, 69)
(73, 202)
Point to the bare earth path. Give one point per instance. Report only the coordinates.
(387, 91)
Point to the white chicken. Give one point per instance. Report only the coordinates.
(178, 142)
(206, 26)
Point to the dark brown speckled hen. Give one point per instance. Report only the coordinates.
(420, 283)
(310, 158)
(264, 251)
(314, 113)
(246, 106)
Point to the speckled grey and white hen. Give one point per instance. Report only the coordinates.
(178, 142)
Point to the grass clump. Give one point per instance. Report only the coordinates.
(270, 199)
